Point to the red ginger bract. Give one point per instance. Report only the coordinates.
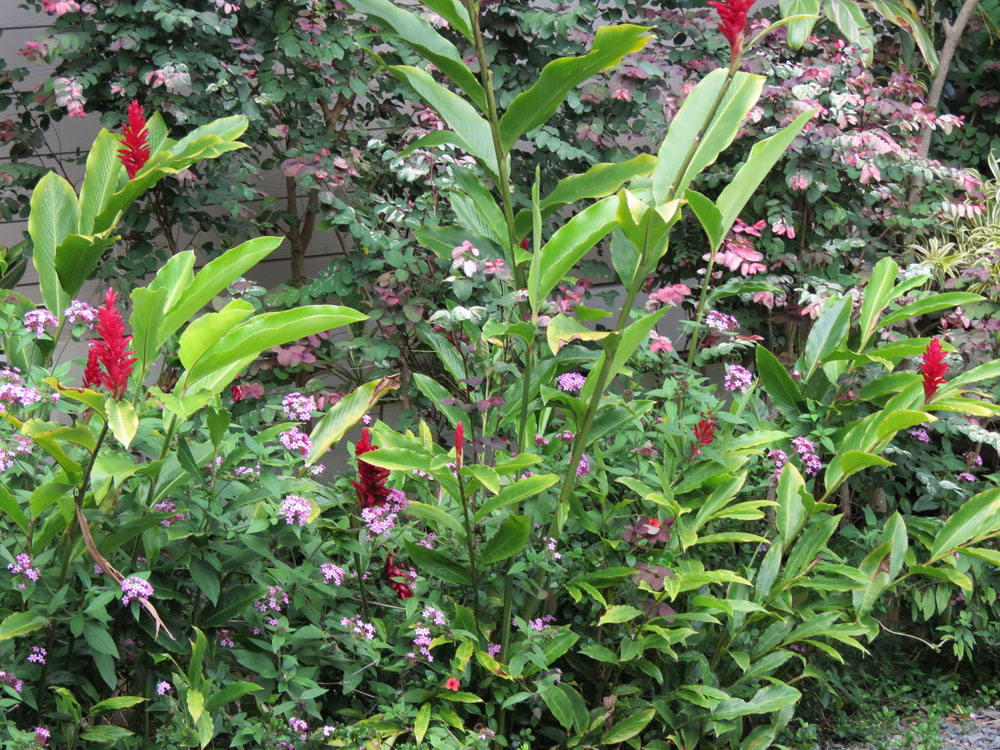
(371, 479)
(134, 152)
(733, 21)
(109, 361)
(934, 368)
(393, 571)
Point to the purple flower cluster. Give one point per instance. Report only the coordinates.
(225, 638)
(14, 391)
(646, 451)
(807, 452)
(9, 452)
(168, 506)
(720, 321)
(42, 736)
(779, 458)
(541, 623)
(966, 476)
(359, 627)
(8, 678)
(22, 566)
(134, 587)
(37, 655)
(162, 687)
(298, 406)
(422, 633)
(738, 378)
(566, 436)
(80, 312)
(493, 649)
(973, 459)
(247, 471)
(296, 440)
(38, 320)
(333, 573)
(551, 546)
(301, 726)
(920, 434)
(583, 468)
(571, 382)
(296, 509)
(541, 441)
(380, 520)
(276, 599)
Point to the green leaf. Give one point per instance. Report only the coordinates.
(903, 15)
(232, 604)
(851, 21)
(206, 578)
(345, 414)
(976, 519)
(709, 217)
(878, 294)
(115, 704)
(986, 371)
(205, 331)
(105, 734)
(628, 727)
(21, 623)
(437, 393)
(446, 353)
(567, 246)
(104, 173)
(784, 391)
(563, 329)
(619, 613)
(894, 532)
(509, 539)
(800, 29)
(766, 700)
(599, 181)
(9, 505)
(514, 493)
(187, 295)
(454, 13)
(535, 106)
(559, 704)
(55, 213)
(791, 510)
(600, 653)
(421, 36)
(433, 514)
(686, 130)
(76, 257)
(930, 304)
(459, 114)
(122, 420)
(421, 723)
(630, 340)
(229, 693)
(763, 156)
(828, 333)
(99, 639)
(438, 565)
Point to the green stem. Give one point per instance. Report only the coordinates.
(522, 439)
(470, 544)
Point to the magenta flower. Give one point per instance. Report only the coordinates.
(37, 655)
(296, 440)
(331, 572)
(571, 382)
(738, 378)
(720, 321)
(134, 587)
(298, 406)
(296, 509)
(38, 320)
(134, 152)
(162, 687)
(658, 343)
(733, 22)
(934, 368)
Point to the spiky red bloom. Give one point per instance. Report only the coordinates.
(371, 479)
(934, 368)
(392, 571)
(134, 152)
(704, 433)
(459, 439)
(92, 373)
(733, 22)
(111, 350)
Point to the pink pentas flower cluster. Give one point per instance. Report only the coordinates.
(247, 471)
(920, 433)
(296, 510)
(422, 633)
(299, 726)
(23, 566)
(11, 449)
(380, 520)
(359, 627)
(583, 468)
(162, 687)
(571, 382)
(275, 599)
(296, 440)
(80, 312)
(566, 436)
(807, 452)
(38, 320)
(721, 321)
(331, 572)
(168, 506)
(9, 679)
(13, 389)
(550, 547)
(37, 655)
(778, 458)
(134, 587)
(298, 406)
(225, 638)
(738, 378)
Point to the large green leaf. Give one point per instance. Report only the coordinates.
(509, 539)
(185, 301)
(791, 511)
(784, 391)
(345, 414)
(688, 132)
(828, 333)
(630, 340)
(515, 492)
(977, 518)
(454, 110)
(205, 331)
(434, 564)
(217, 367)
(535, 106)
(763, 156)
(930, 304)
(766, 700)
(104, 172)
(229, 693)
(904, 16)
(422, 37)
(455, 13)
(10, 506)
(628, 727)
(55, 213)
(438, 394)
(563, 329)
(599, 181)
(567, 246)
(76, 257)
(21, 623)
(851, 21)
(798, 31)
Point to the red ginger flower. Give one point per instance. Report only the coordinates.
(134, 152)
(459, 439)
(392, 572)
(371, 479)
(110, 351)
(733, 22)
(704, 433)
(934, 368)
(452, 683)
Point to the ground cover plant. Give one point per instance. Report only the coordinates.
(575, 539)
